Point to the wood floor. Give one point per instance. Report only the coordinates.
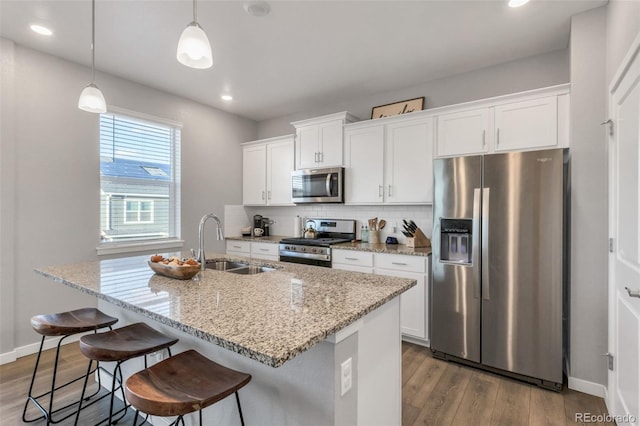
(434, 392)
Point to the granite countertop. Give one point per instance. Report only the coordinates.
(275, 239)
(270, 317)
(384, 248)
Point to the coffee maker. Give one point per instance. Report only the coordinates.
(257, 223)
(265, 226)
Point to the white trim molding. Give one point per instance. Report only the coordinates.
(584, 386)
(32, 348)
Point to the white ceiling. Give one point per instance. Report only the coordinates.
(303, 53)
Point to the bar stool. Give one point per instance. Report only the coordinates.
(118, 346)
(63, 324)
(183, 384)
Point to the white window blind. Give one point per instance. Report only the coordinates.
(139, 179)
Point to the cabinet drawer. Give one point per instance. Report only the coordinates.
(402, 263)
(239, 246)
(264, 249)
(351, 257)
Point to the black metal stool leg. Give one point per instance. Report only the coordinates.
(239, 408)
(84, 388)
(30, 395)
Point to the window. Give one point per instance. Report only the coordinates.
(138, 211)
(139, 179)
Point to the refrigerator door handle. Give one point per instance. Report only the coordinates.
(475, 241)
(485, 244)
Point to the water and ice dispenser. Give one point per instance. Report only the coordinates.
(456, 236)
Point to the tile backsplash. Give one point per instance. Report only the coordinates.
(284, 217)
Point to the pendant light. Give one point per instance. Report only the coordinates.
(194, 49)
(91, 98)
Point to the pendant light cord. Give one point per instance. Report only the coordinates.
(93, 41)
(195, 11)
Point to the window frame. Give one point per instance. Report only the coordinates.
(174, 241)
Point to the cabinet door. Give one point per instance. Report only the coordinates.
(527, 124)
(265, 251)
(463, 133)
(364, 164)
(254, 175)
(279, 167)
(330, 146)
(413, 304)
(307, 147)
(241, 248)
(408, 162)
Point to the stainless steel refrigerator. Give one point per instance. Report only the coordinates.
(499, 262)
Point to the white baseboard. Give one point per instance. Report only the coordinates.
(595, 389)
(8, 357)
(416, 341)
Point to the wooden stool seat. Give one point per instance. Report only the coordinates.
(124, 343)
(182, 384)
(71, 322)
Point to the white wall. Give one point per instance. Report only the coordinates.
(517, 76)
(56, 181)
(623, 26)
(588, 319)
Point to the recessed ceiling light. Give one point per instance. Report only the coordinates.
(517, 3)
(226, 97)
(257, 8)
(41, 30)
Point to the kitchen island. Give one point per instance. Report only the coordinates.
(296, 329)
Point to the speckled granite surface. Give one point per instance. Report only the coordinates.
(384, 248)
(270, 317)
(275, 239)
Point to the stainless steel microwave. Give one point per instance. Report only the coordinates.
(317, 185)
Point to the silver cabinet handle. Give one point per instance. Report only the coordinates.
(238, 247)
(352, 258)
(269, 194)
(633, 293)
(498, 136)
(389, 192)
(315, 157)
(399, 263)
(321, 157)
(484, 138)
(263, 195)
(485, 243)
(263, 249)
(380, 191)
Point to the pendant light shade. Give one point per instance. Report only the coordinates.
(194, 49)
(91, 98)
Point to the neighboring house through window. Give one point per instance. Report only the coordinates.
(139, 178)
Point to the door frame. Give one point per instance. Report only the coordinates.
(632, 54)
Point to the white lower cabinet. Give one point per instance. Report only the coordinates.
(239, 248)
(255, 250)
(413, 303)
(264, 251)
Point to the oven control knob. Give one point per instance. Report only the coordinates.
(287, 248)
(303, 249)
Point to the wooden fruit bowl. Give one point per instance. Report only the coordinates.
(183, 272)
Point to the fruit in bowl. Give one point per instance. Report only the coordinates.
(174, 267)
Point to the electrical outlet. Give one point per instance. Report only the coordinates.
(155, 357)
(345, 376)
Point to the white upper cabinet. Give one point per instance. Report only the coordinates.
(266, 171)
(319, 141)
(538, 119)
(364, 161)
(408, 167)
(254, 175)
(464, 132)
(389, 162)
(526, 124)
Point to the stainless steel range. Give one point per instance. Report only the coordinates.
(317, 250)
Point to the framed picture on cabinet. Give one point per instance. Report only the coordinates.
(397, 108)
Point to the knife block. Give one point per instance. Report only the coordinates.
(419, 240)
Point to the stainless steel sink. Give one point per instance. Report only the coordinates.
(224, 265)
(236, 267)
(251, 270)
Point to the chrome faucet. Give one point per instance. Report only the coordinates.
(220, 236)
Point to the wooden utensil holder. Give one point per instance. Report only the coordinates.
(419, 240)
